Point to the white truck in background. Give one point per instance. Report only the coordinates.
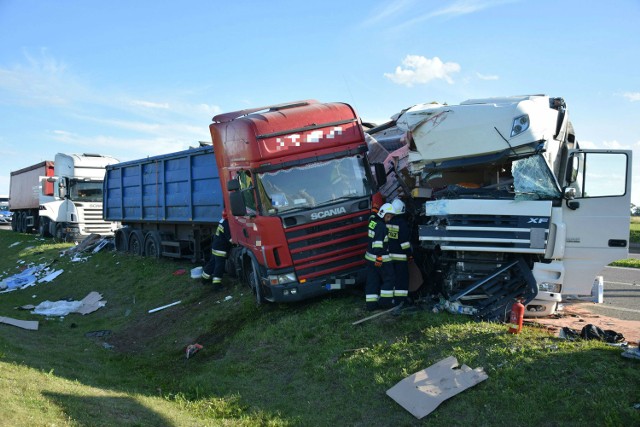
(62, 198)
(505, 203)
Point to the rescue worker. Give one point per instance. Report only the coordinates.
(399, 251)
(219, 253)
(379, 270)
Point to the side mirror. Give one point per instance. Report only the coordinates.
(233, 185)
(572, 170)
(238, 207)
(381, 174)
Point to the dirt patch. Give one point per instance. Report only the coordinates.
(577, 315)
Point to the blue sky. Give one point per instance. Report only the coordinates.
(138, 78)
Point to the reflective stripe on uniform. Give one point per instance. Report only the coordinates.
(205, 276)
(400, 293)
(377, 244)
(386, 294)
(398, 257)
(219, 253)
(217, 280)
(405, 245)
(371, 257)
(372, 297)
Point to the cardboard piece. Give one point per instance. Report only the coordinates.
(422, 392)
(24, 324)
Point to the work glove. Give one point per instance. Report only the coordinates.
(378, 262)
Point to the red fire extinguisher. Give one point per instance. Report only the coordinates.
(517, 315)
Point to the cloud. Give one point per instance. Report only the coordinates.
(451, 10)
(487, 77)
(421, 70)
(41, 81)
(149, 104)
(388, 11)
(632, 96)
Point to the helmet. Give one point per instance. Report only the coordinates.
(398, 206)
(387, 208)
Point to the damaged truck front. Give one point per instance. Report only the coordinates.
(507, 206)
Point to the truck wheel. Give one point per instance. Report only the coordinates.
(136, 243)
(60, 235)
(14, 221)
(122, 239)
(27, 228)
(254, 282)
(152, 245)
(43, 227)
(22, 220)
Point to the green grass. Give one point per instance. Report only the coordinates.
(274, 365)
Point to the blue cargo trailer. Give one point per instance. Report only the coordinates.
(168, 205)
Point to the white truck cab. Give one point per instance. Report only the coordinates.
(74, 211)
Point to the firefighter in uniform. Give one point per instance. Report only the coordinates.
(219, 254)
(379, 273)
(399, 251)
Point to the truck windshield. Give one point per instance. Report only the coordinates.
(532, 179)
(312, 185)
(85, 191)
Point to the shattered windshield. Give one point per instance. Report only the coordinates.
(312, 185)
(533, 180)
(85, 191)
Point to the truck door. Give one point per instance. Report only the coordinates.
(597, 219)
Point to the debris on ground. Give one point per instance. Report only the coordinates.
(94, 243)
(179, 272)
(29, 276)
(31, 325)
(192, 349)
(632, 353)
(88, 304)
(422, 392)
(164, 306)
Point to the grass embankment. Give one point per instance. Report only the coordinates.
(274, 365)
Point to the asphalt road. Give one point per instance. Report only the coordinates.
(621, 293)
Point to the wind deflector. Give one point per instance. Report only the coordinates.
(227, 117)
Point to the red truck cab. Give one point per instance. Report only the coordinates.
(298, 191)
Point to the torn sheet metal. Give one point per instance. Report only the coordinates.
(422, 392)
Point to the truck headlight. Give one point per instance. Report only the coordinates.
(282, 279)
(520, 124)
(550, 287)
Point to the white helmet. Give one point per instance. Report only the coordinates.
(387, 208)
(398, 206)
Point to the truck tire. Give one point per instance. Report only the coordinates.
(14, 221)
(43, 227)
(251, 278)
(60, 234)
(122, 239)
(27, 228)
(22, 222)
(136, 243)
(152, 245)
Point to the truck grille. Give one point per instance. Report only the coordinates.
(488, 233)
(330, 247)
(94, 222)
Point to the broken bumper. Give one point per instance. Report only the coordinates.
(545, 304)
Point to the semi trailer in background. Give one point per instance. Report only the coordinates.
(62, 198)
